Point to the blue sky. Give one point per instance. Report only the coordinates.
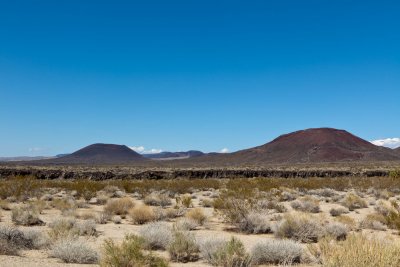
(207, 75)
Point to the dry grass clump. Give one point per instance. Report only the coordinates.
(230, 253)
(129, 254)
(185, 224)
(142, 214)
(357, 250)
(299, 227)
(157, 235)
(306, 204)
(197, 215)
(69, 227)
(183, 247)
(353, 202)
(255, 223)
(119, 207)
(73, 251)
(63, 204)
(25, 215)
(13, 239)
(282, 252)
(338, 211)
(86, 215)
(155, 199)
(185, 201)
(207, 203)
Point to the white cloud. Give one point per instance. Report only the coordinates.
(143, 150)
(224, 150)
(138, 149)
(388, 142)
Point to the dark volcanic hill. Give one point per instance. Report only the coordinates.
(100, 154)
(317, 145)
(174, 155)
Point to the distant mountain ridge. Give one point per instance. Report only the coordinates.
(316, 145)
(174, 155)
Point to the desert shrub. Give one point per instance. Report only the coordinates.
(323, 192)
(87, 228)
(8, 249)
(73, 251)
(155, 199)
(142, 214)
(102, 199)
(282, 252)
(38, 238)
(338, 211)
(117, 219)
(26, 216)
(38, 205)
(102, 218)
(185, 201)
(129, 254)
(255, 223)
(183, 247)
(186, 224)
(4, 204)
(287, 196)
(306, 204)
(353, 201)
(119, 207)
(157, 235)
(357, 250)
(86, 215)
(233, 210)
(395, 174)
(348, 221)
(336, 230)
(271, 205)
(63, 204)
(197, 215)
(207, 203)
(374, 221)
(384, 207)
(209, 248)
(15, 238)
(299, 227)
(69, 227)
(230, 253)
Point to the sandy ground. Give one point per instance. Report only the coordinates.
(214, 228)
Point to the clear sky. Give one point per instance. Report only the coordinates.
(207, 75)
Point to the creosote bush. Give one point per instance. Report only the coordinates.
(231, 253)
(183, 247)
(129, 254)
